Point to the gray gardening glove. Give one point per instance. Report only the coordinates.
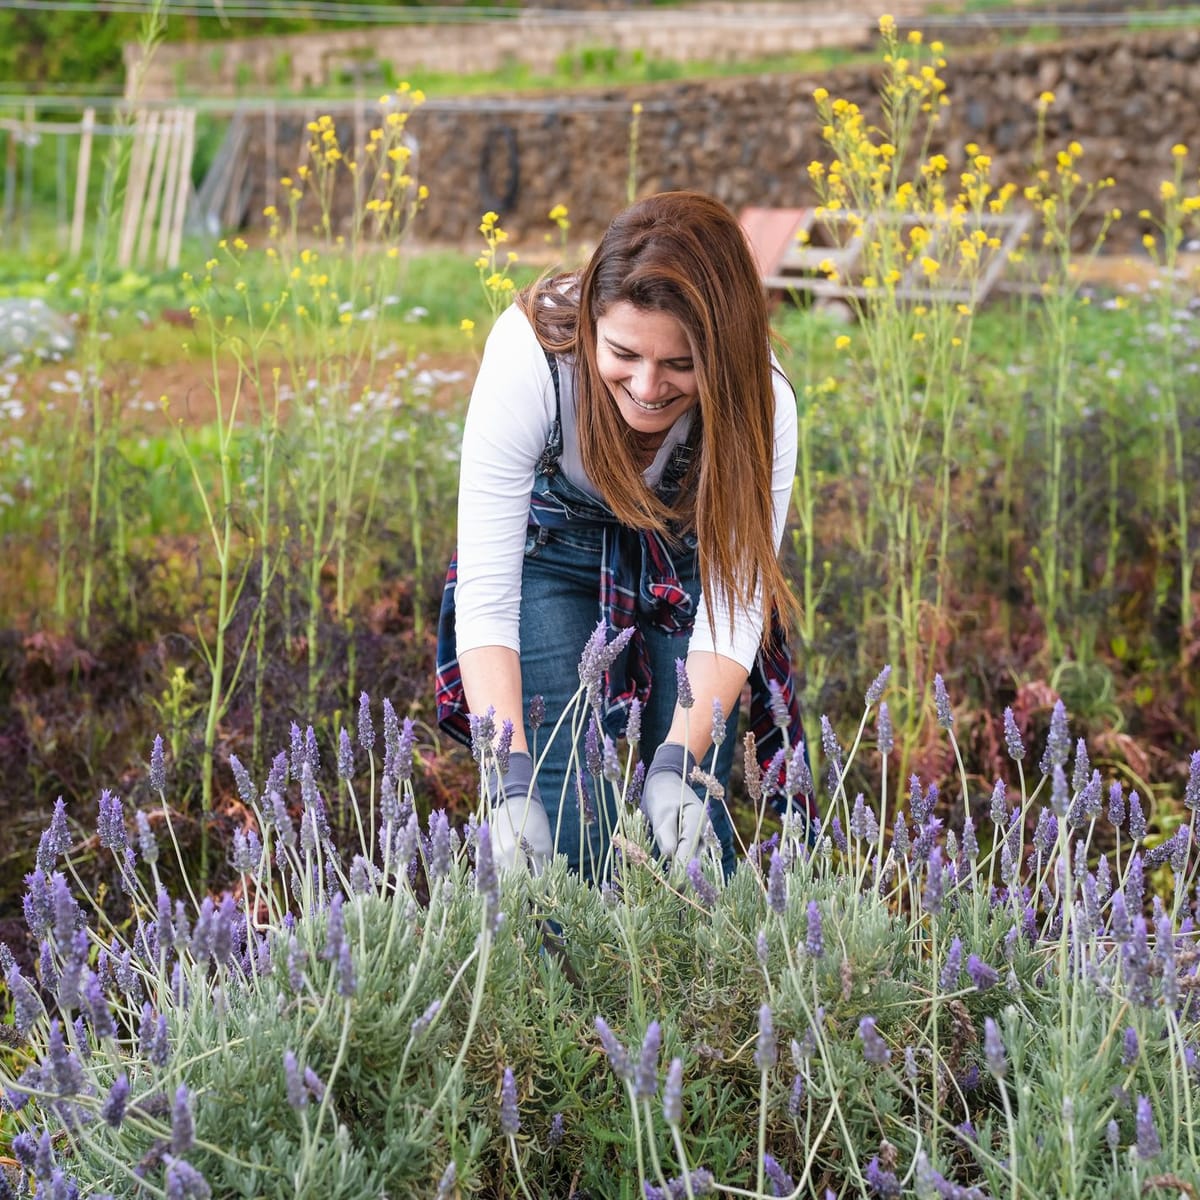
(675, 812)
(520, 829)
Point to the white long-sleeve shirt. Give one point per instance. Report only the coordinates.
(509, 419)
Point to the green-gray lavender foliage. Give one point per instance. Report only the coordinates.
(944, 1020)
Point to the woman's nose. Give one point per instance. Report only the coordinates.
(647, 382)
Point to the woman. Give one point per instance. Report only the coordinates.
(628, 457)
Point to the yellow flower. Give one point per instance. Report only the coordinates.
(345, 318)
(637, 108)
(842, 342)
(914, 37)
(1046, 99)
(964, 310)
(887, 24)
(467, 325)
(1148, 240)
(930, 266)
(919, 336)
(558, 213)
(1167, 190)
(1179, 150)
(820, 95)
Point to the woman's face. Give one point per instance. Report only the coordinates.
(644, 359)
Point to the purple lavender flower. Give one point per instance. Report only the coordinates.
(297, 1097)
(1135, 963)
(1060, 795)
(66, 1071)
(1046, 834)
(1116, 804)
(636, 780)
(422, 1023)
(706, 892)
(796, 1096)
(878, 686)
(945, 715)
(1191, 791)
(814, 940)
(618, 1056)
(441, 845)
(766, 1051)
(510, 1117)
(645, 1075)
(998, 809)
(591, 747)
(184, 1182)
(402, 760)
(1129, 1046)
(797, 778)
(537, 712)
(982, 975)
(952, 969)
(1058, 741)
(993, 1048)
(158, 770)
(555, 1136)
(762, 948)
(366, 727)
(1112, 1135)
(55, 840)
(27, 1007)
(885, 735)
(838, 835)
(833, 752)
(487, 882)
(778, 705)
(102, 1019)
(1148, 1145)
(673, 1093)
(183, 1127)
(112, 1111)
(1137, 818)
(875, 1050)
(931, 895)
(916, 800)
(448, 1182)
(1135, 883)
(718, 722)
(970, 843)
(900, 842)
(345, 756)
(777, 885)
(882, 1182)
(313, 1084)
(781, 1181)
(683, 686)
(1012, 737)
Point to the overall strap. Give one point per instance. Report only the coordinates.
(548, 460)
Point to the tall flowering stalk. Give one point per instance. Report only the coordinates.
(921, 246)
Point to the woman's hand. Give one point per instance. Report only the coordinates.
(520, 829)
(675, 812)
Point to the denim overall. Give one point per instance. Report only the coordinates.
(579, 562)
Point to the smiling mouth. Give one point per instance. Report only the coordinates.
(650, 408)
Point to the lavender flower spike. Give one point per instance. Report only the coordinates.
(1012, 737)
(645, 1076)
(183, 1129)
(814, 941)
(618, 1056)
(486, 879)
(878, 686)
(945, 715)
(510, 1118)
(673, 1093)
(683, 686)
(875, 1049)
(993, 1048)
(1148, 1145)
(1191, 792)
(777, 885)
(766, 1051)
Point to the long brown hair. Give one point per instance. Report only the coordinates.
(682, 253)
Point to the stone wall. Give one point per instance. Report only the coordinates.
(540, 40)
(1127, 98)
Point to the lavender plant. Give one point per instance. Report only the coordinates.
(922, 1016)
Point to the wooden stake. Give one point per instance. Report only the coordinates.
(153, 213)
(145, 129)
(187, 150)
(82, 170)
(170, 192)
